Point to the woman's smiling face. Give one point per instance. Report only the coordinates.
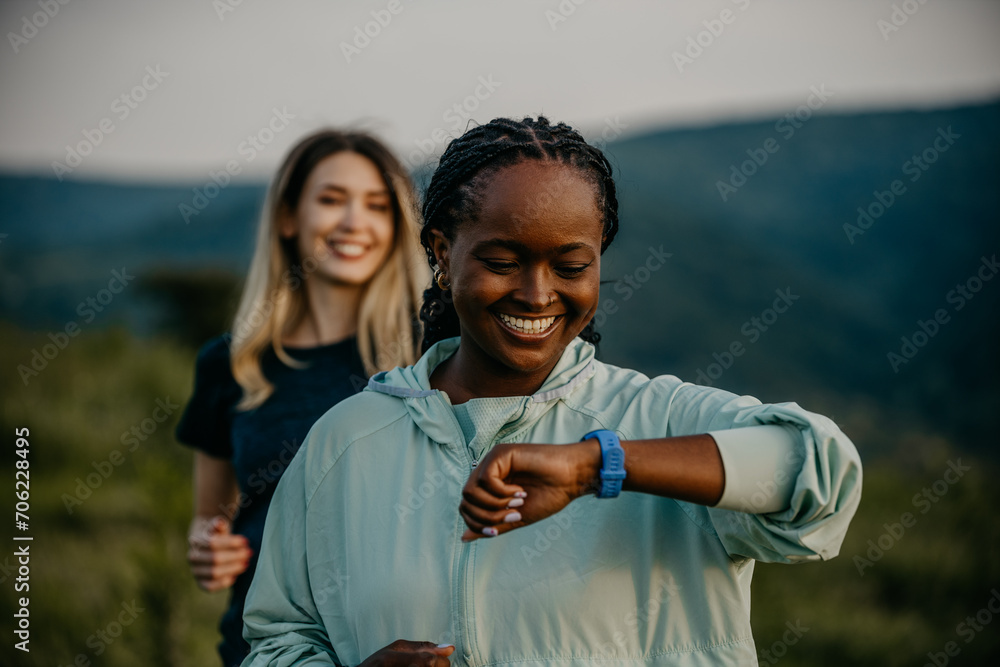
(344, 219)
(525, 274)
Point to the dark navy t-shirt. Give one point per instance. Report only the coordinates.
(261, 442)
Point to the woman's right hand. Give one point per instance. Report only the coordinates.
(216, 556)
(404, 653)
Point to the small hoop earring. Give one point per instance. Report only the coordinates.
(441, 281)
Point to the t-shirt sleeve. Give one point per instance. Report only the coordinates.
(207, 419)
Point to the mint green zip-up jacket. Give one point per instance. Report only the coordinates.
(362, 544)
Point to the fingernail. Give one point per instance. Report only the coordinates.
(517, 502)
(512, 517)
(490, 531)
(520, 494)
(446, 646)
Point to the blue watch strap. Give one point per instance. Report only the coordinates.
(612, 462)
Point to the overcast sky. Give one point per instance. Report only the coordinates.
(231, 69)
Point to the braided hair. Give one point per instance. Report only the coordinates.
(453, 195)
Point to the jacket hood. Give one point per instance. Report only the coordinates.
(431, 408)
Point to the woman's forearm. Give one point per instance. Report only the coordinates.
(687, 468)
(215, 487)
(750, 469)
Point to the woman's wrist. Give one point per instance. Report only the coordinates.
(588, 466)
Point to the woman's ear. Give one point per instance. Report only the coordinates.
(287, 224)
(441, 247)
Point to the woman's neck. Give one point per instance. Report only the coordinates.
(464, 376)
(331, 314)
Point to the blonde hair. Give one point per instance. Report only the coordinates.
(273, 300)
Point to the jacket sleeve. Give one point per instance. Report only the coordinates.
(281, 620)
(819, 479)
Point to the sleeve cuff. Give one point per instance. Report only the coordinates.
(761, 464)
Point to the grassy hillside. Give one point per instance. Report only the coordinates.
(105, 534)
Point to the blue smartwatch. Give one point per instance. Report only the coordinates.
(612, 462)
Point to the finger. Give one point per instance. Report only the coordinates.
(216, 572)
(476, 493)
(213, 585)
(232, 556)
(204, 528)
(226, 539)
(232, 567)
(472, 523)
(206, 565)
(491, 481)
(437, 656)
(228, 542)
(220, 525)
(483, 518)
(220, 542)
(414, 646)
(498, 488)
(408, 646)
(476, 530)
(210, 554)
(445, 649)
(490, 531)
(480, 494)
(431, 659)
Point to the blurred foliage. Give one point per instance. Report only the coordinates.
(125, 543)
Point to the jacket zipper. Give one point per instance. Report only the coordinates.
(465, 583)
(504, 432)
(465, 572)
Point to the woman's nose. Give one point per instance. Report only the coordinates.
(353, 216)
(535, 291)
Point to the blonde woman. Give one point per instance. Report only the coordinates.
(333, 295)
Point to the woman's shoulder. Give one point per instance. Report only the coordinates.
(629, 398)
(352, 422)
(214, 357)
(216, 349)
(611, 379)
(358, 416)
(614, 380)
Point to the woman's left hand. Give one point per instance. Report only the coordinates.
(519, 484)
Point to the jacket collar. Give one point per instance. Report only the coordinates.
(576, 365)
(432, 411)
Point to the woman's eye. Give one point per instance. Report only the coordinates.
(573, 269)
(499, 266)
(382, 208)
(329, 201)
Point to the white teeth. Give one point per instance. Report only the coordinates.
(349, 249)
(527, 326)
